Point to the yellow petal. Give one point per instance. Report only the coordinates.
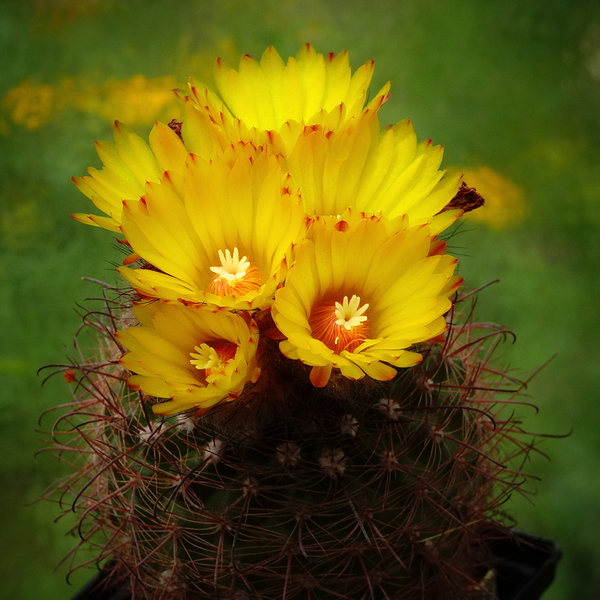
(168, 148)
(136, 154)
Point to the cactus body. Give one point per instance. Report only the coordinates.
(375, 490)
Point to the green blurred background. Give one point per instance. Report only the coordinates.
(510, 88)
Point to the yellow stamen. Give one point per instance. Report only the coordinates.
(236, 276)
(340, 326)
(205, 358)
(233, 268)
(348, 314)
(212, 360)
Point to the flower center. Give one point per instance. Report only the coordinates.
(236, 276)
(212, 360)
(340, 325)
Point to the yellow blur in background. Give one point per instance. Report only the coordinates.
(504, 200)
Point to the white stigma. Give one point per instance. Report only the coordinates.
(233, 268)
(348, 314)
(206, 357)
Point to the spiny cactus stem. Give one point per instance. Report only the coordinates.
(346, 491)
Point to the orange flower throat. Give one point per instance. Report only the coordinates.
(212, 358)
(235, 276)
(340, 326)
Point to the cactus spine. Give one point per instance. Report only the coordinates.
(382, 490)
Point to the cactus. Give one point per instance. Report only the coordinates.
(328, 436)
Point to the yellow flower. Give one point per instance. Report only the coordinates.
(268, 93)
(371, 170)
(216, 234)
(194, 355)
(359, 294)
(129, 164)
(281, 98)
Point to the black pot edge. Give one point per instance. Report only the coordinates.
(100, 588)
(526, 565)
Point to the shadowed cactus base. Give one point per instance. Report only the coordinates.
(358, 490)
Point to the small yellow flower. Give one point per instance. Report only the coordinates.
(371, 170)
(218, 233)
(359, 295)
(194, 355)
(129, 163)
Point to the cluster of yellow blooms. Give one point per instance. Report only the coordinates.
(280, 196)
